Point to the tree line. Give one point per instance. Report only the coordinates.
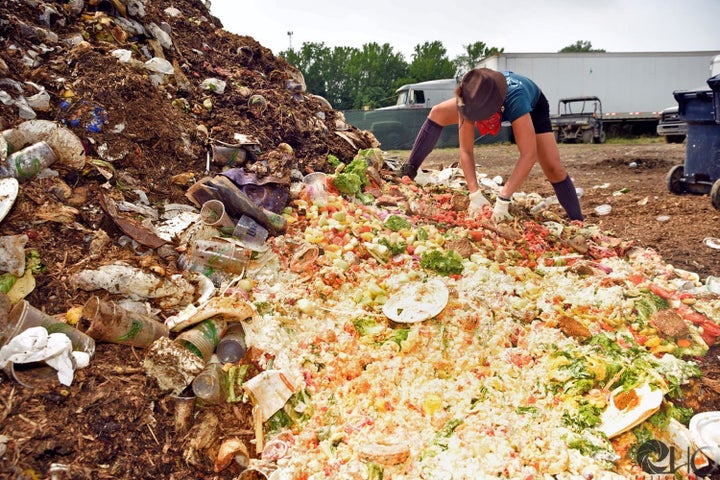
(355, 78)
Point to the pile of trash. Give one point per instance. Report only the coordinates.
(192, 247)
(110, 112)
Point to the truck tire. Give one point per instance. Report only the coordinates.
(587, 136)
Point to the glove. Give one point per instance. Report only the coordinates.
(477, 202)
(500, 212)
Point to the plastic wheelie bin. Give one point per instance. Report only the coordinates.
(700, 173)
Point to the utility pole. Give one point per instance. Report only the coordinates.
(290, 34)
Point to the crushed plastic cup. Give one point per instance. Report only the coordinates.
(603, 209)
(251, 233)
(24, 316)
(228, 156)
(213, 214)
(315, 187)
(257, 104)
(31, 160)
(184, 408)
(218, 256)
(106, 321)
(202, 339)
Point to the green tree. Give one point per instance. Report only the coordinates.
(430, 62)
(472, 56)
(371, 71)
(580, 46)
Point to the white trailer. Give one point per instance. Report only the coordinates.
(634, 87)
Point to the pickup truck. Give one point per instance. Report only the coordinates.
(672, 126)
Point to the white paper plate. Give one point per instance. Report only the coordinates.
(705, 434)
(8, 193)
(615, 421)
(417, 302)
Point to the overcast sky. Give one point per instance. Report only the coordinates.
(518, 26)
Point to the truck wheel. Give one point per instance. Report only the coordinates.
(600, 139)
(587, 136)
(715, 195)
(675, 179)
(557, 136)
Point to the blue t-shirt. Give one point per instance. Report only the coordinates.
(522, 96)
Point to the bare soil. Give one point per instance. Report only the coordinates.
(114, 421)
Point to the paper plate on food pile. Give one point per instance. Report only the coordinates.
(705, 434)
(627, 409)
(417, 302)
(8, 194)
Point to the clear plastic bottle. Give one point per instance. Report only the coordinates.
(210, 385)
(231, 347)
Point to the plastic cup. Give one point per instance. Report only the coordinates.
(31, 160)
(202, 339)
(232, 347)
(211, 384)
(24, 316)
(219, 255)
(228, 156)
(250, 233)
(315, 187)
(184, 407)
(213, 214)
(108, 322)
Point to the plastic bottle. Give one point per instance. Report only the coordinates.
(210, 385)
(231, 347)
(210, 256)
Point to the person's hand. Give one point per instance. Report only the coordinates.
(477, 202)
(500, 212)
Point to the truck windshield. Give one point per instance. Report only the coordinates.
(402, 98)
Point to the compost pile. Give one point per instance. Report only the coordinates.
(160, 98)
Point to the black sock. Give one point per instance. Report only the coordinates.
(425, 141)
(567, 196)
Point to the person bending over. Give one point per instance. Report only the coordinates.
(485, 98)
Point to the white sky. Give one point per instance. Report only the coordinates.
(518, 26)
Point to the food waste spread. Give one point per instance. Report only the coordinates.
(193, 243)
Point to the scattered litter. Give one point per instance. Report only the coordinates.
(603, 209)
(417, 302)
(662, 218)
(712, 242)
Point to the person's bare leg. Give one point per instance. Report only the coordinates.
(549, 159)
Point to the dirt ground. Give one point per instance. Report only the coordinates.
(155, 141)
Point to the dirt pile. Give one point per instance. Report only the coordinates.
(156, 94)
